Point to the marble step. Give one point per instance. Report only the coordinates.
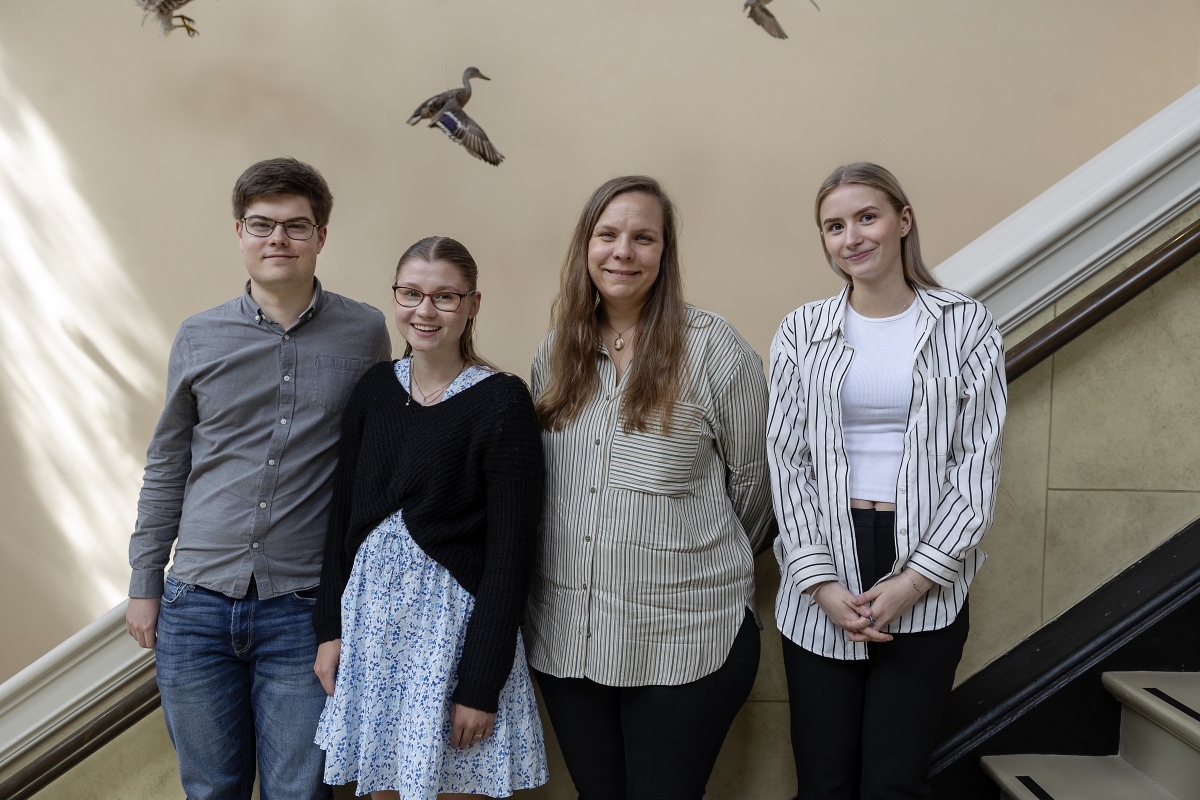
(1071, 778)
(1160, 726)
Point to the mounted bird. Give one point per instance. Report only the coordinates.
(765, 19)
(445, 111)
(168, 20)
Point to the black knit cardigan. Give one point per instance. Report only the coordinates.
(467, 474)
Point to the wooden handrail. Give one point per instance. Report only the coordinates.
(127, 711)
(1131, 282)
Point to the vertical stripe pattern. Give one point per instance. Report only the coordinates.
(946, 488)
(646, 565)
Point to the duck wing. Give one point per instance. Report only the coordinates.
(766, 20)
(430, 108)
(455, 123)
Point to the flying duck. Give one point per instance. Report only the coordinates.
(765, 19)
(446, 112)
(168, 20)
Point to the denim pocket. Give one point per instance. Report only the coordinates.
(306, 596)
(174, 591)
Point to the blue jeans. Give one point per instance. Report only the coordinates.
(237, 685)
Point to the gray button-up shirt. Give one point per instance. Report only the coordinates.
(239, 472)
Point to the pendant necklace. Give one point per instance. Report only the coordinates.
(619, 344)
(412, 379)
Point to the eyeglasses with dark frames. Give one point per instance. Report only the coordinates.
(409, 297)
(296, 229)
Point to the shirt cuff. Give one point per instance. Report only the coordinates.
(934, 564)
(808, 566)
(146, 582)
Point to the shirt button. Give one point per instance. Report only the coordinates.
(592, 490)
(608, 397)
(587, 538)
(258, 318)
(903, 490)
(287, 378)
(271, 462)
(597, 441)
(261, 505)
(287, 336)
(589, 634)
(283, 421)
(255, 545)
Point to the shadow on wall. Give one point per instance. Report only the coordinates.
(80, 355)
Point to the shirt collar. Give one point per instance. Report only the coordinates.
(930, 301)
(255, 313)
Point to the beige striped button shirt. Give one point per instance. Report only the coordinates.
(646, 566)
(946, 487)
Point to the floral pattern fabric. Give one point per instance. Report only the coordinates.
(387, 726)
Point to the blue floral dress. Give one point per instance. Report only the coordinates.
(404, 620)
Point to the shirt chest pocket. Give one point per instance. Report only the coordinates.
(653, 463)
(940, 413)
(333, 380)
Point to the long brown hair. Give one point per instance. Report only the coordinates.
(452, 252)
(916, 271)
(656, 371)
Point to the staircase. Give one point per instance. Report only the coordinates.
(1159, 757)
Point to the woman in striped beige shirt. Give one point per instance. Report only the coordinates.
(640, 630)
(887, 406)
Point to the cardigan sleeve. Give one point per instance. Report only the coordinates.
(513, 475)
(335, 569)
(803, 553)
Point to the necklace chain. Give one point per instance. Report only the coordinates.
(619, 343)
(412, 380)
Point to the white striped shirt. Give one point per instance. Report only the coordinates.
(646, 566)
(946, 489)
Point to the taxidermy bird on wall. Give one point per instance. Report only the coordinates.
(765, 19)
(446, 112)
(168, 20)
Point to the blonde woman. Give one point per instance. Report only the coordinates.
(653, 413)
(887, 407)
(432, 536)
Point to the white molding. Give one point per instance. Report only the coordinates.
(1086, 220)
(66, 682)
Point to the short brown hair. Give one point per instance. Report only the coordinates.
(286, 175)
(656, 371)
(916, 271)
(454, 253)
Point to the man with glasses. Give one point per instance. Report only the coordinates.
(238, 479)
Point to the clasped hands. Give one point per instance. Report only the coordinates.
(885, 602)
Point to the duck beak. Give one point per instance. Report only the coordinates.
(485, 77)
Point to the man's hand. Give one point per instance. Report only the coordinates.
(329, 654)
(141, 620)
(469, 726)
(838, 604)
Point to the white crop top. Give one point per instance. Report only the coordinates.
(875, 398)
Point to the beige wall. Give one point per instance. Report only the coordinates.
(1101, 456)
(118, 149)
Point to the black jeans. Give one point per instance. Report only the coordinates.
(864, 730)
(649, 742)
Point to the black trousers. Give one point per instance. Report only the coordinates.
(864, 730)
(649, 742)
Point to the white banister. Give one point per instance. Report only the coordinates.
(1085, 220)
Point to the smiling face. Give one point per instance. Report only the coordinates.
(276, 262)
(626, 248)
(862, 232)
(425, 328)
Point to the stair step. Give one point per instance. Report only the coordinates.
(1071, 778)
(1160, 726)
(1171, 700)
